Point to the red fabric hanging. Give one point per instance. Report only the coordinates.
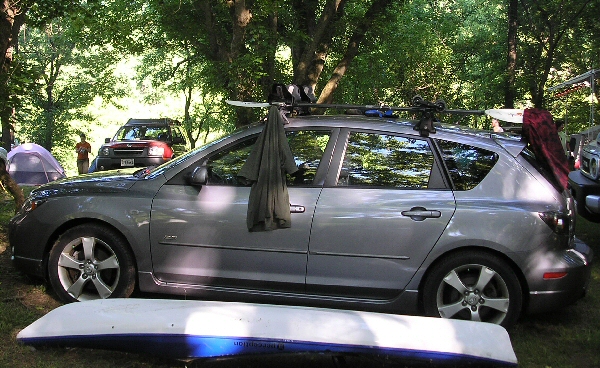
(540, 131)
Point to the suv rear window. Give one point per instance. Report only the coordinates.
(466, 164)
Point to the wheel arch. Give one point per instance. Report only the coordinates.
(83, 221)
(510, 263)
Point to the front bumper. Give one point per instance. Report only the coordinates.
(558, 293)
(108, 163)
(584, 191)
(26, 259)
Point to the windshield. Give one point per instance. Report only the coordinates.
(142, 132)
(152, 172)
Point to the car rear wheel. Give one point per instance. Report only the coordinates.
(474, 286)
(91, 262)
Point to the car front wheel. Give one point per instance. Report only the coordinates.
(91, 262)
(474, 286)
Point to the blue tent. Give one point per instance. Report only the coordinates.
(32, 164)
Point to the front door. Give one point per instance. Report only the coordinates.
(199, 234)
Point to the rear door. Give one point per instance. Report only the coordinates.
(199, 234)
(377, 220)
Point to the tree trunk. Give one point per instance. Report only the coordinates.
(511, 58)
(548, 23)
(372, 15)
(13, 188)
(310, 63)
(11, 19)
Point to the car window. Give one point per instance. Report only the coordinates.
(140, 133)
(546, 172)
(466, 164)
(380, 160)
(177, 136)
(307, 147)
(224, 166)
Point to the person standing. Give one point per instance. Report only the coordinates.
(83, 148)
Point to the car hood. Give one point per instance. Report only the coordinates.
(131, 143)
(592, 148)
(99, 182)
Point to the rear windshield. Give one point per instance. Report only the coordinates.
(467, 165)
(529, 156)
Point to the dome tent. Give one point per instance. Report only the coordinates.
(32, 164)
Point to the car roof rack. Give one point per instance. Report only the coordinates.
(156, 121)
(427, 109)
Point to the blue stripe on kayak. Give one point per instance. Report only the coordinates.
(187, 346)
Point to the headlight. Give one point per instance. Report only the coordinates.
(156, 151)
(31, 204)
(104, 151)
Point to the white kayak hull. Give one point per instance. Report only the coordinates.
(509, 115)
(181, 329)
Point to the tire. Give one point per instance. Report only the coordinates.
(91, 262)
(451, 290)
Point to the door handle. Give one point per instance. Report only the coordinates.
(294, 208)
(421, 213)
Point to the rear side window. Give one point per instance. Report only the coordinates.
(177, 136)
(466, 164)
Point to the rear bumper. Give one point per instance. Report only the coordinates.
(562, 292)
(585, 190)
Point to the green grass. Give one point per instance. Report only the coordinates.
(569, 337)
(566, 338)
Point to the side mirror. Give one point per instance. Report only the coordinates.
(177, 140)
(106, 140)
(199, 176)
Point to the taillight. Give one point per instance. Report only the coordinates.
(554, 275)
(559, 222)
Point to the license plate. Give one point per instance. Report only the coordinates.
(126, 162)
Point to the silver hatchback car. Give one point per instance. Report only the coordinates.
(458, 224)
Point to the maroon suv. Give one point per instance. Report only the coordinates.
(142, 143)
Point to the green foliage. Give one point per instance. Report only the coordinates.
(65, 76)
(548, 30)
(440, 50)
(194, 54)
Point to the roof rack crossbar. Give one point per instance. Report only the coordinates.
(380, 107)
(427, 109)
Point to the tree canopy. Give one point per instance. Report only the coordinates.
(471, 53)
